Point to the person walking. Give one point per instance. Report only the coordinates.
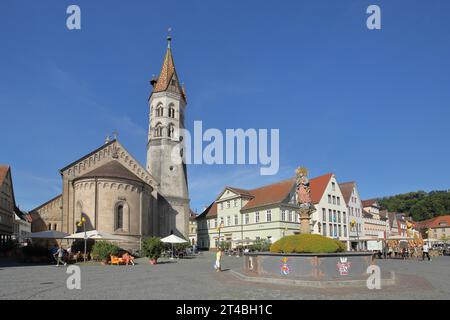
(425, 252)
(218, 258)
(60, 254)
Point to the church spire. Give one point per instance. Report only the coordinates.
(168, 79)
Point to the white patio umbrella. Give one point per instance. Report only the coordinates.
(95, 235)
(173, 239)
(49, 234)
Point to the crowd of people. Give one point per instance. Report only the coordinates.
(410, 250)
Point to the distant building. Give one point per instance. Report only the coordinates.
(22, 226)
(393, 229)
(330, 218)
(193, 228)
(355, 213)
(375, 222)
(437, 228)
(7, 204)
(270, 212)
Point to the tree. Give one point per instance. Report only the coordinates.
(420, 204)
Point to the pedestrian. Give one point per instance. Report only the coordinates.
(60, 254)
(218, 258)
(425, 252)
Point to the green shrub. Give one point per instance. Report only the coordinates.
(224, 245)
(260, 245)
(152, 247)
(307, 243)
(342, 246)
(102, 250)
(181, 246)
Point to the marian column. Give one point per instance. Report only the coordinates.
(304, 199)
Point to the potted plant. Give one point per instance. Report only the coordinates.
(103, 250)
(152, 248)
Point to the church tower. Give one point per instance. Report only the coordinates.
(167, 104)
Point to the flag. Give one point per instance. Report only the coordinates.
(82, 220)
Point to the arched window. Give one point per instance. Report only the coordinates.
(171, 112)
(119, 217)
(159, 111)
(158, 130)
(171, 131)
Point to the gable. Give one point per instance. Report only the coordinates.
(318, 186)
(110, 151)
(231, 192)
(6, 183)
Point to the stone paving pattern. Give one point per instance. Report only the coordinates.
(195, 279)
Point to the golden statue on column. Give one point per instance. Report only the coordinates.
(304, 199)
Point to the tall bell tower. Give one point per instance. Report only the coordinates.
(167, 104)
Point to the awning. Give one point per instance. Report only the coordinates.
(95, 235)
(49, 234)
(173, 239)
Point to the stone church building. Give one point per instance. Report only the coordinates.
(118, 195)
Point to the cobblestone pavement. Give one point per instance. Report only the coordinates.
(196, 279)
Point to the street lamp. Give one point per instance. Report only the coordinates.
(352, 224)
(218, 229)
(83, 223)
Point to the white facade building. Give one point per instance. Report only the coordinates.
(355, 212)
(271, 212)
(330, 218)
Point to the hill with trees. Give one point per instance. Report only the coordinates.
(419, 205)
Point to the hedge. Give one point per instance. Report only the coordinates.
(307, 243)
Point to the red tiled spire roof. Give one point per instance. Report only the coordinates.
(3, 171)
(167, 74)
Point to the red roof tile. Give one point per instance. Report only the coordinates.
(435, 222)
(270, 194)
(239, 191)
(210, 212)
(368, 203)
(3, 171)
(318, 186)
(347, 189)
(273, 193)
(167, 74)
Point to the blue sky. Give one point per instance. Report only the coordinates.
(370, 106)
